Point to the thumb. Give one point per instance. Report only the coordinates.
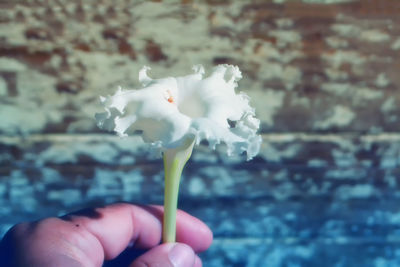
(168, 255)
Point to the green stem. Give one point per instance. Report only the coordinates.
(174, 162)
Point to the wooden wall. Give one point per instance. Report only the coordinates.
(322, 74)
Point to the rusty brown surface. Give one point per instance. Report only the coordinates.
(312, 59)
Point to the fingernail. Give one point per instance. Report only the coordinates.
(181, 256)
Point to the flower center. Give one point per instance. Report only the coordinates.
(169, 97)
(193, 106)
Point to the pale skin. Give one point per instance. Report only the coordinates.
(88, 238)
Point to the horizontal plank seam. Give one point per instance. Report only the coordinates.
(342, 240)
(274, 137)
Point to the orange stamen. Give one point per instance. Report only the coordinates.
(170, 99)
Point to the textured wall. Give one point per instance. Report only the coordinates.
(323, 76)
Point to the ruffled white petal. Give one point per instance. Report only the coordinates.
(144, 79)
(168, 110)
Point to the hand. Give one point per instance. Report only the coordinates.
(88, 237)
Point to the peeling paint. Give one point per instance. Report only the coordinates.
(327, 1)
(317, 163)
(389, 105)
(270, 153)
(346, 30)
(382, 80)
(335, 74)
(336, 42)
(267, 104)
(340, 116)
(14, 35)
(3, 87)
(67, 196)
(340, 57)
(396, 44)
(357, 93)
(285, 37)
(284, 22)
(7, 64)
(374, 36)
(358, 191)
(196, 186)
(21, 120)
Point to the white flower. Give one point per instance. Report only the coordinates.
(169, 110)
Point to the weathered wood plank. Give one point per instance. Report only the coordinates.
(308, 66)
(258, 252)
(321, 177)
(253, 232)
(289, 167)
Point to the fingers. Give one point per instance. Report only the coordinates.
(88, 237)
(169, 255)
(189, 229)
(118, 225)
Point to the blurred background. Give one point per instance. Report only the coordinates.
(322, 74)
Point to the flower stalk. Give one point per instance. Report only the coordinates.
(174, 162)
